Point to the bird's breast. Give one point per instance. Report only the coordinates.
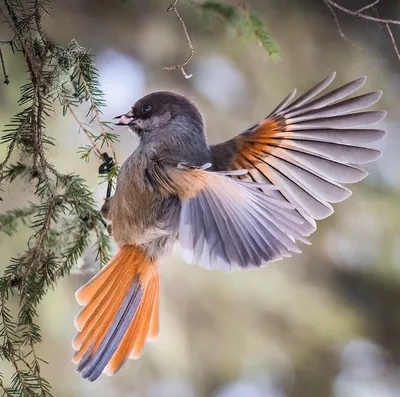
(139, 213)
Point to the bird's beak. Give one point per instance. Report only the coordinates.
(124, 119)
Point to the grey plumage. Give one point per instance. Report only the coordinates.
(232, 224)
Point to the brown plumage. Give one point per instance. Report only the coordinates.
(236, 205)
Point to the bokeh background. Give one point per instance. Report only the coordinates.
(324, 323)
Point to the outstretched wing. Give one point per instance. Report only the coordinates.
(230, 224)
(308, 148)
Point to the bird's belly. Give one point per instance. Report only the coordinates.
(142, 217)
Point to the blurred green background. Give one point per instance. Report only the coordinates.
(324, 323)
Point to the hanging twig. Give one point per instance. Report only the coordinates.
(368, 6)
(396, 49)
(359, 14)
(337, 23)
(181, 66)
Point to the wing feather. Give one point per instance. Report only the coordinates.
(308, 148)
(232, 224)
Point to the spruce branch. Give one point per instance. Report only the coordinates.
(9, 220)
(246, 22)
(95, 98)
(56, 74)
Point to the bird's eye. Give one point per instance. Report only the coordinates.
(146, 108)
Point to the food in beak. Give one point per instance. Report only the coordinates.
(123, 120)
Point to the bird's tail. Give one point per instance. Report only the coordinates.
(120, 313)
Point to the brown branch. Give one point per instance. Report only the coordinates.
(35, 260)
(361, 15)
(14, 356)
(43, 35)
(35, 68)
(182, 65)
(368, 6)
(337, 23)
(396, 49)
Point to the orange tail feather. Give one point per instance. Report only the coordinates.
(154, 321)
(120, 312)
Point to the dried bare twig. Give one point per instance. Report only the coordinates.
(337, 23)
(182, 65)
(361, 15)
(331, 4)
(368, 6)
(396, 49)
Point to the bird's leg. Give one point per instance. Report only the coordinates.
(105, 168)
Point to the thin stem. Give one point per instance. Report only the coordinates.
(396, 49)
(361, 15)
(331, 4)
(362, 9)
(86, 132)
(98, 119)
(3, 66)
(182, 65)
(337, 23)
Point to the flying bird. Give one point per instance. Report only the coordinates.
(237, 205)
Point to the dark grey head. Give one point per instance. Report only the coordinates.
(159, 111)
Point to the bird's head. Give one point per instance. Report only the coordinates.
(160, 112)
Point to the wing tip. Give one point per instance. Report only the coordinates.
(378, 154)
(379, 93)
(347, 194)
(381, 135)
(361, 80)
(383, 113)
(332, 77)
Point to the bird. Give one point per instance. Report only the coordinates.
(240, 204)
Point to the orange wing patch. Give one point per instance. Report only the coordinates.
(257, 143)
(184, 182)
